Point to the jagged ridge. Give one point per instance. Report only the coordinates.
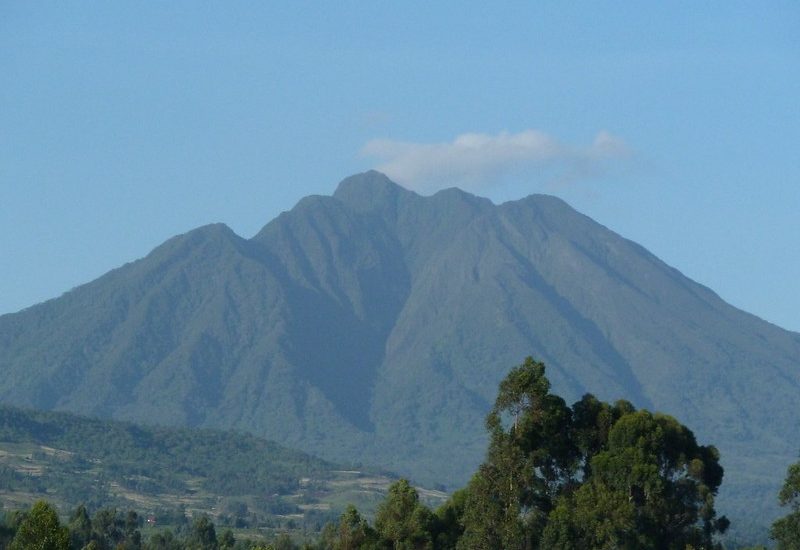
(376, 323)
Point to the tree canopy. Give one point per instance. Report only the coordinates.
(594, 475)
(786, 531)
(41, 530)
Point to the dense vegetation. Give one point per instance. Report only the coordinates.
(162, 458)
(786, 530)
(243, 481)
(40, 528)
(594, 475)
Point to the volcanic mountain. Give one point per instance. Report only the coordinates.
(375, 324)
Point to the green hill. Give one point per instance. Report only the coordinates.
(375, 324)
(238, 479)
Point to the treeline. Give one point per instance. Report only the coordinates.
(71, 460)
(40, 528)
(152, 459)
(593, 475)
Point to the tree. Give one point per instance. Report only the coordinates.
(9, 526)
(492, 516)
(652, 487)
(164, 540)
(133, 538)
(80, 527)
(786, 531)
(108, 528)
(41, 530)
(401, 521)
(227, 541)
(449, 526)
(202, 535)
(353, 532)
(531, 459)
(282, 542)
(594, 475)
(592, 421)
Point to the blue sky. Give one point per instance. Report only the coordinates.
(675, 124)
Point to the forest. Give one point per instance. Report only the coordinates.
(590, 475)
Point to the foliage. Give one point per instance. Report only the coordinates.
(402, 522)
(203, 535)
(652, 487)
(80, 527)
(229, 463)
(109, 529)
(590, 476)
(786, 531)
(227, 540)
(251, 480)
(41, 530)
(530, 457)
(594, 475)
(164, 540)
(352, 533)
(449, 527)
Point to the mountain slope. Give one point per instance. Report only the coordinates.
(376, 323)
(240, 479)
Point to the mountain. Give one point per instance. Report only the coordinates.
(375, 325)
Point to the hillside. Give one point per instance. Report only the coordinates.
(238, 479)
(375, 324)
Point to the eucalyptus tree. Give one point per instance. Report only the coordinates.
(41, 530)
(531, 459)
(594, 475)
(786, 531)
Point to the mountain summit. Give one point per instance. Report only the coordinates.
(375, 324)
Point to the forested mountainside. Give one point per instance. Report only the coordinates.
(238, 479)
(375, 324)
(589, 475)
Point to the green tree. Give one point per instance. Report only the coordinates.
(41, 530)
(786, 531)
(592, 421)
(402, 522)
(449, 527)
(594, 475)
(652, 487)
(282, 542)
(492, 515)
(163, 540)
(227, 541)
(531, 459)
(133, 537)
(108, 528)
(10, 524)
(353, 532)
(80, 527)
(202, 535)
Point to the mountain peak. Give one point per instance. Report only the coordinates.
(364, 191)
(458, 194)
(354, 320)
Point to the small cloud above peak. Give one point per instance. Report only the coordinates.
(475, 161)
(608, 145)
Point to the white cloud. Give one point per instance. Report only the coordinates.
(478, 161)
